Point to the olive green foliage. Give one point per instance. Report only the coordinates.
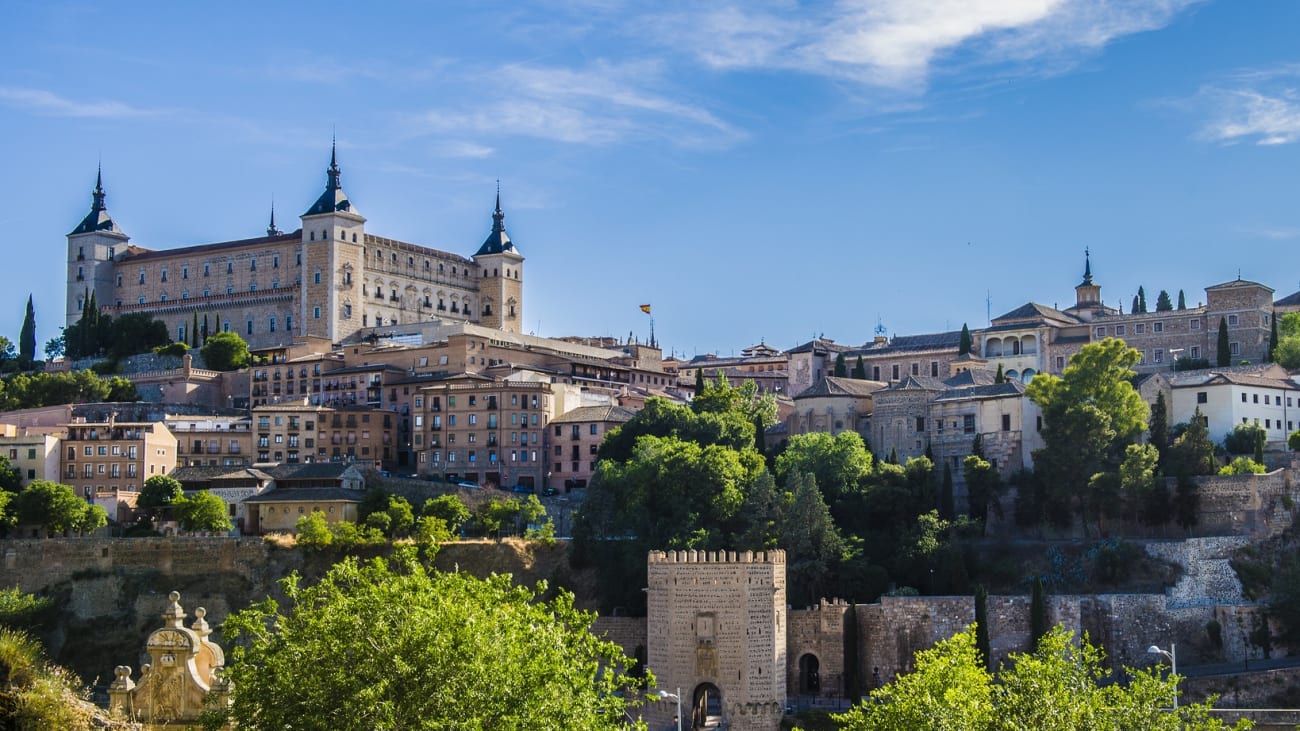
(313, 531)
(448, 508)
(202, 511)
(838, 463)
(1287, 351)
(158, 494)
(173, 349)
(1062, 685)
(812, 542)
(31, 390)
(1192, 453)
(35, 694)
(225, 351)
(57, 508)
(1293, 441)
(1244, 439)
(99, 334)
(424, 650)
(19, 610)
(1243, 466)
(1091, 412)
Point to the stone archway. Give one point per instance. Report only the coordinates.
(706, 706)
(810, 682)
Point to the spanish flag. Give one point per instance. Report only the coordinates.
(645, 309)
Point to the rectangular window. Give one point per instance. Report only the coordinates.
(1202, 397)
(895, 372)
(1006, 422)
(1139, 328)
(968, 423)
(1060, 362)
(1255, 398)
(1158, 327)
(1243, 398)
(315, 312)
(920, 423)
(1232, 320)
(1234, 348)
(1159, 355)
(916, 369)
(1196, 351)
(1101, 331)
(1120, 330)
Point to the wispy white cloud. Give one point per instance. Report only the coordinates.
(1262, 107)
(901, 44)
(601, 103)
(46, 102)
(462, 148)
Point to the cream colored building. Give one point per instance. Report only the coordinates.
(328, 279)
(35, 454)
(1228, 397)
(212, 440)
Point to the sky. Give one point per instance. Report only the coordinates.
(756, 171)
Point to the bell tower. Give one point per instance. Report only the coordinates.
(92, 248)
(501, 277)
(333, 241)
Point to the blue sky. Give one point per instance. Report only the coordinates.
(756, 171)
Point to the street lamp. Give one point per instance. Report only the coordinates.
(665, 695)
(1172, 654)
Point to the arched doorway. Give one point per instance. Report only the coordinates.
(810, 682)
(706, 708)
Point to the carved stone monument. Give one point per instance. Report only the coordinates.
(184, 669)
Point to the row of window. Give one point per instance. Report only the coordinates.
(471, 455)
(102, 450)
(1140, 328)
(207, 268)
(1277, 400)
(1269, 425)
(116, 470)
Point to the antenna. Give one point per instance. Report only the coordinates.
(988, 305)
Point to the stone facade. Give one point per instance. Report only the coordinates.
(328, 279)
(717, 632)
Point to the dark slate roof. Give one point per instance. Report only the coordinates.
(912, 383)
(904, 343)
(993, 390)
(1239, 282)
(307, 495)
(204, 248)
(309, 470)
(595, 413)
(1033, 310)
(1291, 300)
(973, 377)
(819, 344)
(217, 472)
(836, 386)
(498, 241)
(366, 368)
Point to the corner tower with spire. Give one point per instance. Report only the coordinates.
(501, 277)
(1087, 295)
(92, 247)
(333, 245)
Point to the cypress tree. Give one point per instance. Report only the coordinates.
(852, 682)
(216, 327)
(1260, 437)
(90, 337)
(1136, 303)
(1142, 300)
(982, 624)
(194, 331)
(1224, 356)
(860, 368)
(204, 332)
(841, 369)
(27, 336)
(1158, 427)
(699, 381)
(947, 508)
(1037, 614)
(977, 446)
(999, 377)
(964, 346)
(1162, 302)
(893, 455)
(1273, 336)
(1182, 301)
(760, 437)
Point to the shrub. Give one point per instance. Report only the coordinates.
(1293, 441)
(1243, 466)
(104, 367)
(173, 349)
(1243, 438)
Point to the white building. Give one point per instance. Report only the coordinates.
(1265, 396)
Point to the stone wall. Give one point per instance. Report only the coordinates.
(33, 565)
(1245, 505)
(817, 631)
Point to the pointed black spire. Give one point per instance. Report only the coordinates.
(497, 241)
(271, 230)
(333, 199)
(97, 219)
(1087, 267)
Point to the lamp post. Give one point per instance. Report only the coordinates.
(1172, 654)
(665, 695)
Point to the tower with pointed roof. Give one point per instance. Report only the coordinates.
(333, 246)
(1087, 295)
(92, 247)
(501, 277)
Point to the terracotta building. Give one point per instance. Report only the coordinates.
(107, 462)
(576, 437)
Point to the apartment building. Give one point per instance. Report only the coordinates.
(474, 428)
(575, 440)
(300, 432)
(212, 440)
(107, 462)
(35, 454)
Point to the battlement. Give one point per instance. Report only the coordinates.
(694, 556)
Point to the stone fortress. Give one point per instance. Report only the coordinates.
(328, 279)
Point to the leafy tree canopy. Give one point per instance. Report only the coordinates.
(425, 650)
(225, 351)
(202, 511)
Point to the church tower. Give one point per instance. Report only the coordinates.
(1087, 296)
(92, 247)
(501, 277)
(333, 241)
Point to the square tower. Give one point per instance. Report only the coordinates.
(333, 241)
(92, 247)
(501, 278)
(716, 630)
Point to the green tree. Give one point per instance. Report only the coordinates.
(132, 333)
(964, 344)
(425, 649)
(841, 368)
(1272, 337)
(1223, 352)
(11, 478)
(1137, 476)
(1163, 304)
(91, 519)
(999, 377)
(52, 505)
(1062, 685)
(201, 511)
(54, 347)
(1192, 453)
(27, 336)
(1287, 353)
(1245, 439)
(194, 330)
(1142, 300)
(1293, 441)
(982, 626)
(1243, 466)
(947, 507)
(1158, 427)
(1136, 306)
(812, 542)
(699, 382)
(158, 494)
(759, 515)
(838, 463)
(313, 531)
(225, 351)
(401, 516)
(1090, 412)
(1038, 623)
(1182, 301)
(449, 508)
(983, 486)
(860, 370)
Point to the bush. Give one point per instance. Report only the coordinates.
(1243, 438)
(1191, 364)
(1243, 466)
(225, 351)
(104, 367)
(173, 349)
(1293, 441)
(313, 532)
